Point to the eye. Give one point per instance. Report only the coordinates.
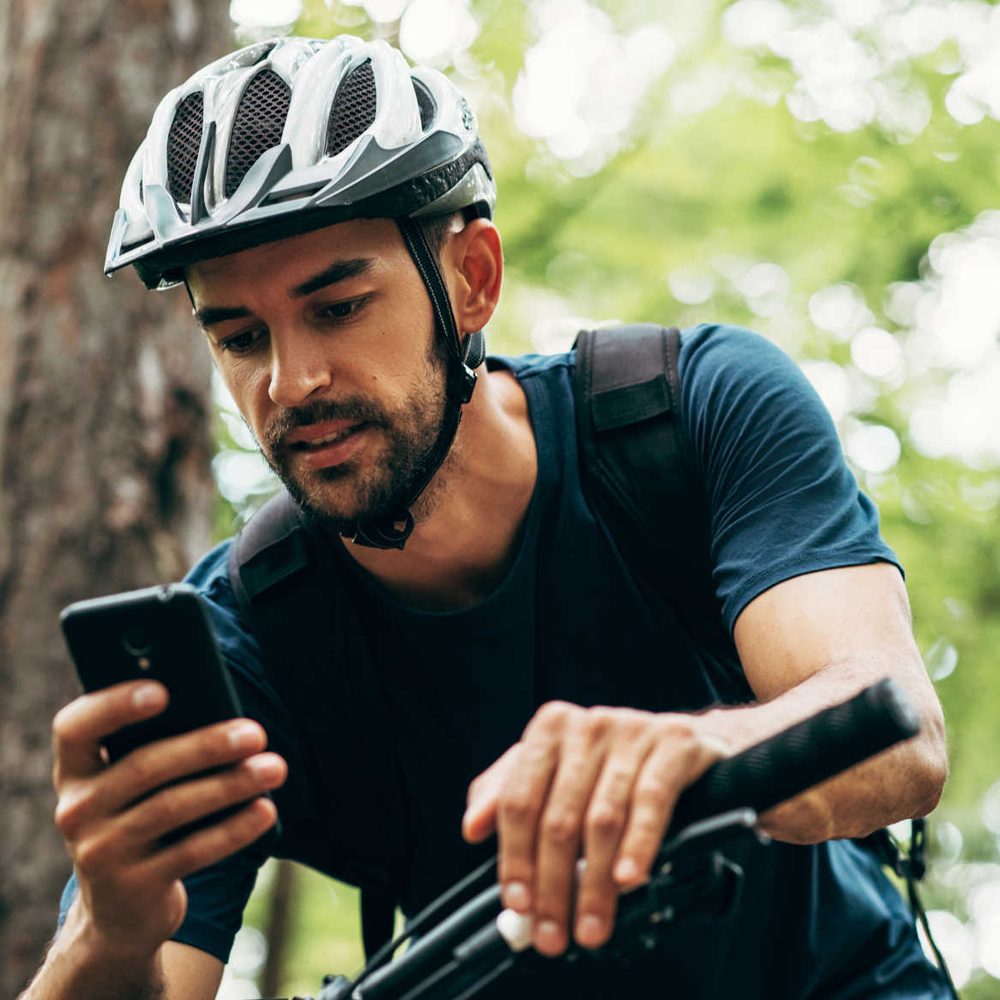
(340, 311)
(242, 343)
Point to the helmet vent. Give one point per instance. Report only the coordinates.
(183, 143)
(264, 53)
(353, 109)
(260, 120)
(425, 103)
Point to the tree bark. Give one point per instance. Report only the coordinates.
(105, 416)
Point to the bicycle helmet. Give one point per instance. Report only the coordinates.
(289, 135)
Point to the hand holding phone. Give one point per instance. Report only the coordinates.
(122, 820)
(161, 634)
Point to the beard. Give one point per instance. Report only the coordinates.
(416, 438)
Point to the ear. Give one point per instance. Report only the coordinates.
(474, 262)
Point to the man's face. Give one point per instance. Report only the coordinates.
(326, 343)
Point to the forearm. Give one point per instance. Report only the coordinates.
(903, 782)
(79, 966)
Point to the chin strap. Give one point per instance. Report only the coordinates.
(392, 531)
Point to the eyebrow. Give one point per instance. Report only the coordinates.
(210, 315)
(340, 271)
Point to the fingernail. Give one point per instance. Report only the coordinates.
(244, 736)
(266, 766)
(589, 930)
(626, 871)
(548, 935)
(516, 896)
(147, 696)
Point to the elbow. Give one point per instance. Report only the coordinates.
(930, 770)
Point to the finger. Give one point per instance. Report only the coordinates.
(480, 816)
(175, 807)
(559, 838)
(518, 808)
(604, 825)
(80, 726)
(213, 843)
(670, 768)
(91, 798)
(175, 758)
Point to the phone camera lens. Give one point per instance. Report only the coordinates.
(137, 643)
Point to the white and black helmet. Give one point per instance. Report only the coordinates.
(294, 134)
(290, 135)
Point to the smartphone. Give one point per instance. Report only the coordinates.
(163, 634)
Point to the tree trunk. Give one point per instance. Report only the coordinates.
(105, 418)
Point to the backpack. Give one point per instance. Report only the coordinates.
(639, 477)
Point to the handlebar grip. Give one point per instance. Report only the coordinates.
(803, 755)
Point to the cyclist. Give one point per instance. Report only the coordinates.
(329, 210)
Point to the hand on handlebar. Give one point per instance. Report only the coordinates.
(113, 816)
(598, 782)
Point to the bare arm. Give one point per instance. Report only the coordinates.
(813, 641)
(78, 967)
(604, 781)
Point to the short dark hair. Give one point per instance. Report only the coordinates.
(435, 229)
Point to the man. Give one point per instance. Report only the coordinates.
(329, 211)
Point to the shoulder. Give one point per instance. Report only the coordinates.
(525, 366)
(210, 576)
(234, 635)
(739, 387)
(715, 357)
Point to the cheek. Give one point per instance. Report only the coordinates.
(248, 390)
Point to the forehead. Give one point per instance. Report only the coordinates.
(286, 263)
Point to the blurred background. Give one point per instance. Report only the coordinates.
(825, 172)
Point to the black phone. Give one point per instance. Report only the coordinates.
(158, 633)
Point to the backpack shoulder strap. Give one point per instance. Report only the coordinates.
(638, 473)
(289, 592)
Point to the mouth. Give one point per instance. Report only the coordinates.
(326, 444)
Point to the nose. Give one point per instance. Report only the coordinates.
(298, 368)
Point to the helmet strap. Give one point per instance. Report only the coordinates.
(392, 531)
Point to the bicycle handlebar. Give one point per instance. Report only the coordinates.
(796, 759)
(763, 776)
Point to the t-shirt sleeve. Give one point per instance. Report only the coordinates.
(216, 897)
(780, 497)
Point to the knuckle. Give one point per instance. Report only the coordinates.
(246, 782)
(186, 853)
(153, 815)
(70, 812)
(596, 899)
(244, 825)
(517, 808)
(212, 743)
(145, 769)
(561, 828)
(651, 797)
(473, 790)
(596, 723)
(59, 724)
(62, 724)
(91, 857)
(679, 729)
(604, 818)
(553, 715)
(635, 725)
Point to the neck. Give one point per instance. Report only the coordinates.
(469, 519)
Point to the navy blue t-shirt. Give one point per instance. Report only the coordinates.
(568, 621)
